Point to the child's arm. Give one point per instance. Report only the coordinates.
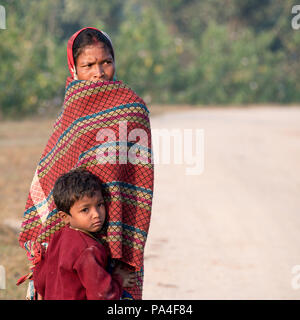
(99, 284)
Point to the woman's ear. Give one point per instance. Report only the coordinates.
(64, 216)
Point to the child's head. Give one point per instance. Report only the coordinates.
(79, 200)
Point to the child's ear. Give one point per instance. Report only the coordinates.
(64, 216)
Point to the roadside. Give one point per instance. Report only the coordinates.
(233, 231)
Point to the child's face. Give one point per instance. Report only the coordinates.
(88, 213)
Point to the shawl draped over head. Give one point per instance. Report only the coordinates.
(105, 128)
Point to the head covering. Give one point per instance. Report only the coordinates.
(71, 63)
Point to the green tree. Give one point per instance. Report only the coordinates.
(146, 58)
(30, 71)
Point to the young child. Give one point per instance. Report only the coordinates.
(73, 267)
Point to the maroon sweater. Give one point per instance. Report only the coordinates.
(73, 268)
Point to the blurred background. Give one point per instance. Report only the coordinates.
(230, 68)
(174, 52)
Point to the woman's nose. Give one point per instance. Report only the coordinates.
(99, 72)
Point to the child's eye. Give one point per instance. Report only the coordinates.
(100, 204)
(85, 210)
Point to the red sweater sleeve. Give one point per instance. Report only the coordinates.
(39, 278)
(99, 284)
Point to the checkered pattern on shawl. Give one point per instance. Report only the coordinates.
(78, 140)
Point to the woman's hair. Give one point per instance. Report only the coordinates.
(73, 186)
(89, 37)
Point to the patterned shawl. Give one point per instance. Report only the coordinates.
(103, 127)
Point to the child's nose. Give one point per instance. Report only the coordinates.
(95, 212)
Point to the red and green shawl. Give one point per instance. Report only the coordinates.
(79, 139)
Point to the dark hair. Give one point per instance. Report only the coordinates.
(73, 186)
(89, 37)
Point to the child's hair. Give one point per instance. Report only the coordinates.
(89, 37)
(73, 186)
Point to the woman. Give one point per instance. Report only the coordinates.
(103, 127)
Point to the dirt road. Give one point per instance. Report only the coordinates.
(232, 232)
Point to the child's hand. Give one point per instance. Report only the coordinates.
(129, 277)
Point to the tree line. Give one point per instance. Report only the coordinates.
(176, 52)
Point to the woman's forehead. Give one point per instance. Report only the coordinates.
(98, 50)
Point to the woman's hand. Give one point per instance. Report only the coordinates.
(129, 277)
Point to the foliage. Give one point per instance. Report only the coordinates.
(180, 51)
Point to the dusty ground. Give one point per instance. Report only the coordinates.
(231, 232)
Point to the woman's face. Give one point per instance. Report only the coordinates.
(95, 63)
